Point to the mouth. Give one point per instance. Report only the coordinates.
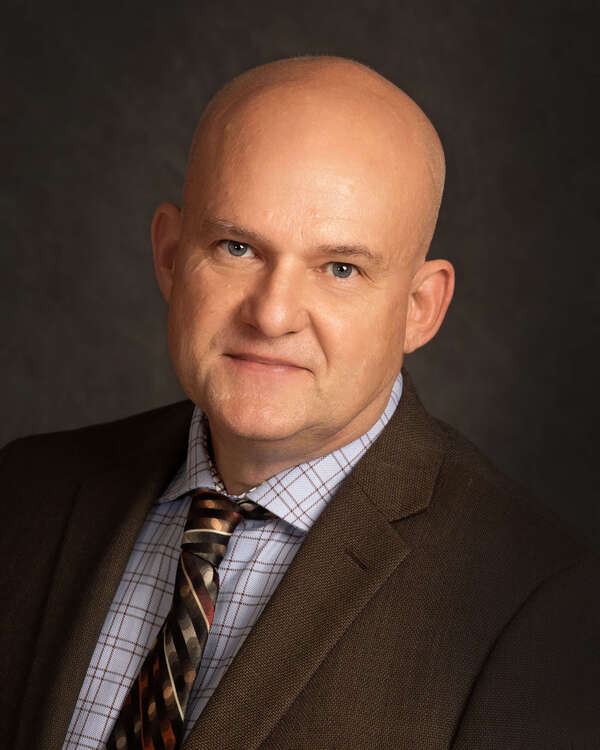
(248, 359)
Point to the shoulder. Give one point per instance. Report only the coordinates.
(43, 475)
(485, 536)
(447, 494)
(74, 454)
(510, 522)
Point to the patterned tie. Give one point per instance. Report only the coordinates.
(152, 716)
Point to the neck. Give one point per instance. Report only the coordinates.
(244, 464)
(241, 469)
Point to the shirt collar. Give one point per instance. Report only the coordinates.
(297, 494)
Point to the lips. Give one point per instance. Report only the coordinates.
(262, 360)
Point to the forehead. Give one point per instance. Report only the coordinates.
(294, 161)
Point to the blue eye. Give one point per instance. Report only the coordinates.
(342, 270)
(237, 248)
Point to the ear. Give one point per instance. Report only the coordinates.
(430, 293)
(165, 232)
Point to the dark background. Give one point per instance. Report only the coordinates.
(102, 100)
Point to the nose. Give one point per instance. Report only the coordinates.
(275, 304)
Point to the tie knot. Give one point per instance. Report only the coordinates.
(214, 510)
(212, 519)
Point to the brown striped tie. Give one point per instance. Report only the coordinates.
(152, 716)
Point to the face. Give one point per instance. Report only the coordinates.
(288, 301)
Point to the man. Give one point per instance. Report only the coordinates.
(369, 580)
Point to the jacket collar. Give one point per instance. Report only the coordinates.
(400, 474)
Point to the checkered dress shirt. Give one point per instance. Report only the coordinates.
(256, 559)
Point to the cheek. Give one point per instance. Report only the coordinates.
(178, 337)
(200, 305)
(192, 320)
(365, 335)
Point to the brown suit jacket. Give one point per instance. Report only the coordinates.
(430, 606)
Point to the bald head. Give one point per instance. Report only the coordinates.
(337, 108)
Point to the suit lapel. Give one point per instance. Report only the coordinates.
(346, 557)
(107, 515)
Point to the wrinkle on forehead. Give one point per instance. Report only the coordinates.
(328, 98)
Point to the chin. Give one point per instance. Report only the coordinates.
(257, 421)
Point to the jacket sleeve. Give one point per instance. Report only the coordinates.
(539, 688)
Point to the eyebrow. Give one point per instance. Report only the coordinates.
(341, 251)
